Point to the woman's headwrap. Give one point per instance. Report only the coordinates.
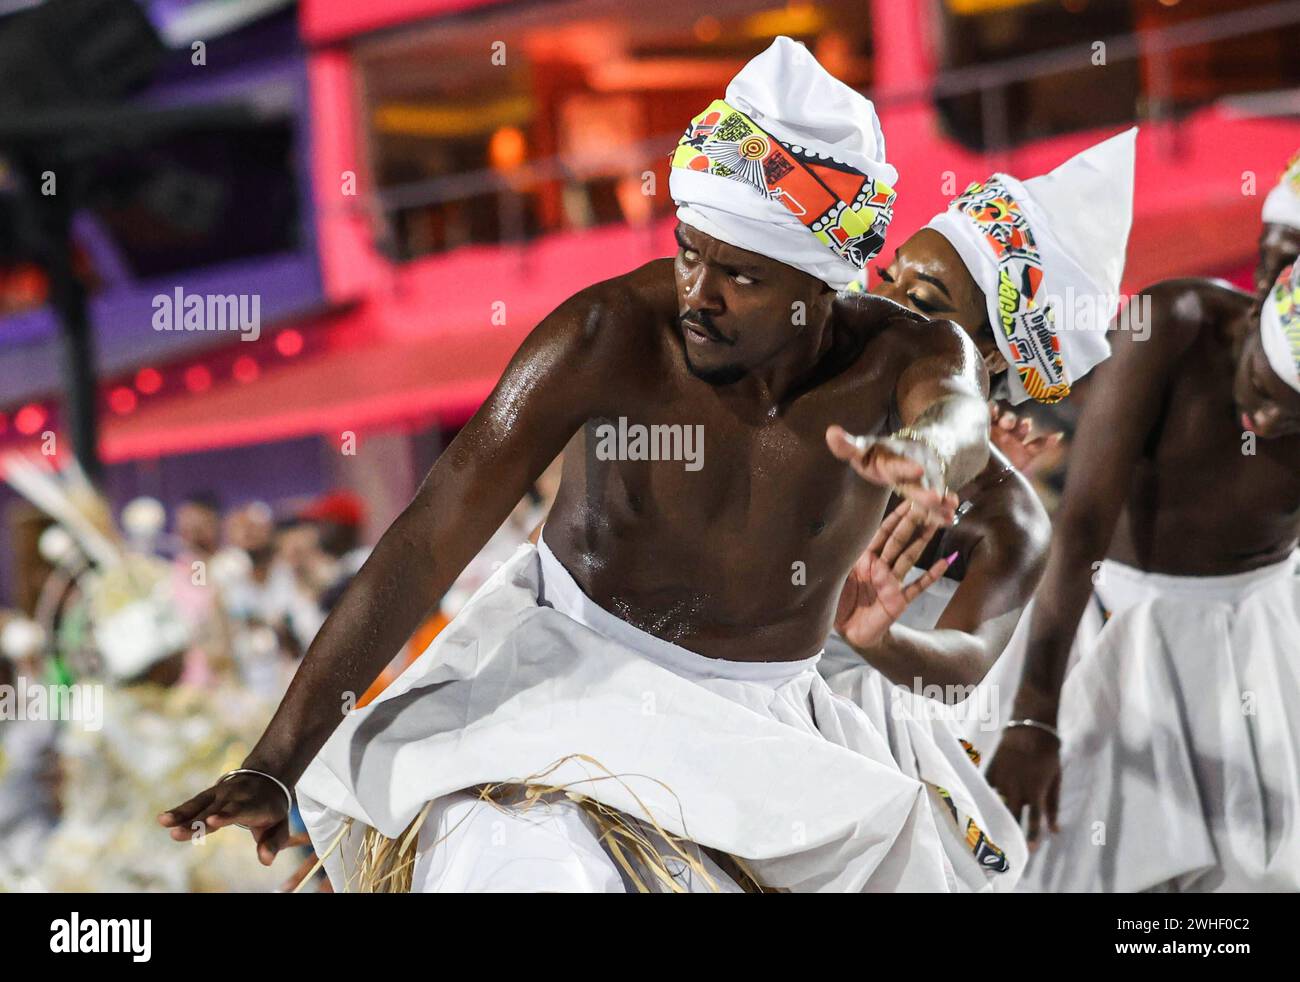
(1279, 326)
(1048, 253)
(1282, 206)
(791, 165)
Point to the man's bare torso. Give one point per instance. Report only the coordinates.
(1199, 505)
(744, 557)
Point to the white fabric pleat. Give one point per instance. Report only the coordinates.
(1181, 730)
(759, 761)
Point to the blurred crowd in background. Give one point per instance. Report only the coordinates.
(161, 645)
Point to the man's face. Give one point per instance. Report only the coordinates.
(197, 526)
(1279, 247)
(927, 276)
(736, 309)
(1269, 407)
(250, 529)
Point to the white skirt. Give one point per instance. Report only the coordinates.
(983, 716)
(1181, 738)
(757, 760)
(983, 841)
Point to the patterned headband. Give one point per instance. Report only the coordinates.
(848, 211)
(1285, 300)
(1027, 321)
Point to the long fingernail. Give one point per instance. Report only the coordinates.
(953, 558)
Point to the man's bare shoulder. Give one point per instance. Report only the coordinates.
(620, 318)
(1183, 307)
(641, 298)
(609, 330)
(896, 327)
(869, 313)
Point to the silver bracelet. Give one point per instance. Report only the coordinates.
(1036, 724)
(288, 796)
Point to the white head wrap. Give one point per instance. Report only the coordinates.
(1282, 206)
(1279, 326)
(1069, 261)
(820, 123)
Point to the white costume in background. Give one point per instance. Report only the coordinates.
(155, 747)
(28, 805)
(29, 808)
(758, 760)
(1180, 725)
(1179, 718)
(928, 743)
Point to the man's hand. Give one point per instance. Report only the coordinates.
(874, 596)
(1026, 772)
(908, 467)
(1012, 435)
(245, 799)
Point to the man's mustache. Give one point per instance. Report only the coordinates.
(704, 324)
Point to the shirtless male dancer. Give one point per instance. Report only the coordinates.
(1176, 766)
(745, 336)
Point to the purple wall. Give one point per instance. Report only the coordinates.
(264, 63)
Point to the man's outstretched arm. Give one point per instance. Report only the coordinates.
(1127, 392)
(940, 397)
(542, 399)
